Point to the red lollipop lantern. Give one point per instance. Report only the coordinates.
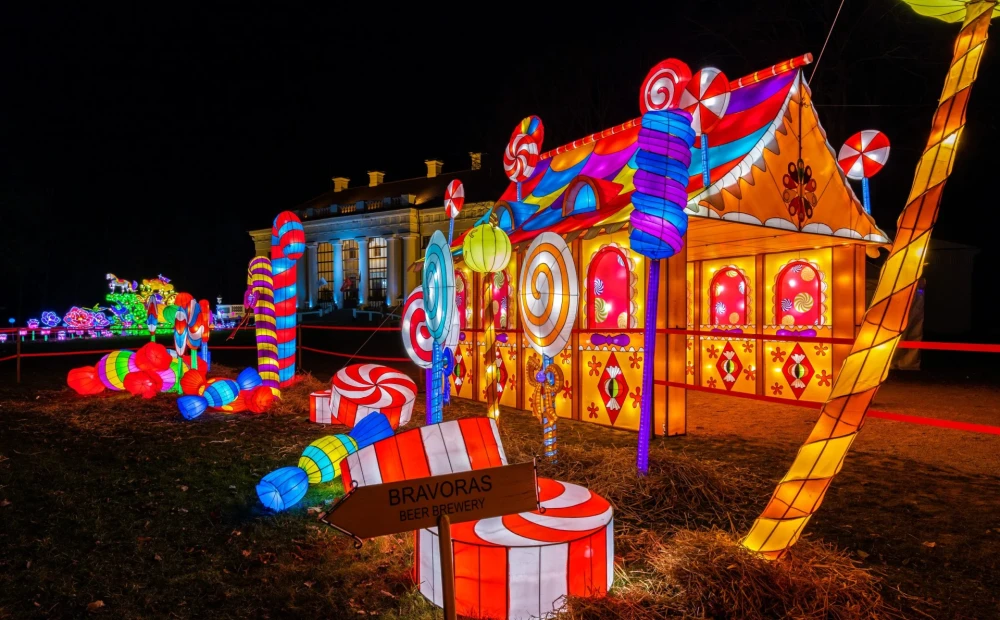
(664, 85)
(706, 97)
(862, 156)
(454, 200)
(523, 151)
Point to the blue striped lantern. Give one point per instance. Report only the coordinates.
(371, 428)
(283, 488)
(249, 379)
(221, 393)
(192, 406)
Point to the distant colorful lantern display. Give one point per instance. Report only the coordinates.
(288, 244)
(862, 157)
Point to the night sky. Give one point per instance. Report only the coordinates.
(150, 139)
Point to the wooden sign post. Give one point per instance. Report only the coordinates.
(396, 507)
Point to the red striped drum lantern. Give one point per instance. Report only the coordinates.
(361, 389)
(524, 565)
(319, 407)
(516, 566)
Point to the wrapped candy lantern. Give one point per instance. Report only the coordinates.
(113, 367)
(152, 357)
(143, 383)
(260, 399)
(85, 381)
(221, 392)
(321, 460)
(193, 382)
(248, 379)
(192, 406)
(283, 488)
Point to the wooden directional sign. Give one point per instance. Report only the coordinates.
(395, 507)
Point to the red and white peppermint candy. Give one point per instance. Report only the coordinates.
(520, 157)
(524, 565)
(864, 154)
(416, 337)
(663, 85)
(454, 198)
(362, 389)
(706, 98)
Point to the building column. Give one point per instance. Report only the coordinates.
(362, 270)
(670, 403)
(301, 280)
(393, 260)
(312, 272)
(411, 245)
(338, 271)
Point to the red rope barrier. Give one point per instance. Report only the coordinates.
(885, 415)
(348, 328)
(358, 357)
(950, 346)
(9, 357)
(61, 353)
(233, 348)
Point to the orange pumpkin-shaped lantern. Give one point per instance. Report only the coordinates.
(193, 382)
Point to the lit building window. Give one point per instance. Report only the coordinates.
(798, 298)
(324, 256)
(350, 256)
(378, 269)
(729, 297)
(609, 283)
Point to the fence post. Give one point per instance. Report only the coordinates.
(18, 336)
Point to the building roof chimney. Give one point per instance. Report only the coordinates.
(375, 178)
(340, 183)
(433, 167)
(477, 160)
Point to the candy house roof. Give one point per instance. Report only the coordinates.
(767, 122)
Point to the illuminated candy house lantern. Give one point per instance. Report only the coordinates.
(764, 287)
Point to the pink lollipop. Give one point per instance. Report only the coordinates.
(454, 198)
(663, 85)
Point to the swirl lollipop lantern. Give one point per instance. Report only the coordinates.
(440, 309)
(288, 243)
(862, 157)
(658, 219)
(664, 85)
(418, 342)
(523, 151)
(549, 292)
(706, 98)
(454, 200)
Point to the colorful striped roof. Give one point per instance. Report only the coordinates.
(750, 151)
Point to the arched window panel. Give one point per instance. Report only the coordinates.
(462, 299)
(503, 304)
(800, 294)
(611, 290)
(729, 297)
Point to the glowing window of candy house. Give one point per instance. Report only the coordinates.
(461, 298)
(728, 297)
(798, 294)
(501, 295)
(581, 198)
(608, 299)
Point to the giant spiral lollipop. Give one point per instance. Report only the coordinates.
(440, 309)
(549, 291)
(658, 219)
(288, 243)
(418, 342)
(262, 289)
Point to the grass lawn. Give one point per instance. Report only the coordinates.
(113, 505)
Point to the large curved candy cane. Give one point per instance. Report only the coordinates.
(262, 288)
(288, 242)
(801, 491)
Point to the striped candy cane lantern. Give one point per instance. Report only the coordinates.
(288, 243)
(262, 289)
